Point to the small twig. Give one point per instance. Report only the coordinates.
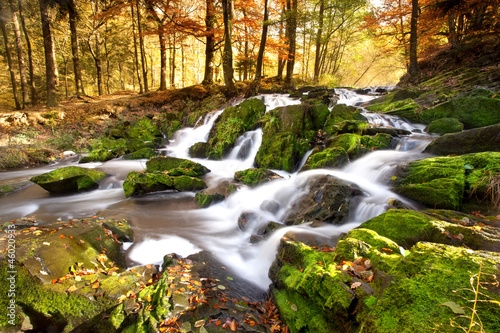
(475, 299)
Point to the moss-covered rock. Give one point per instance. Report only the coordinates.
(327, 200)
(204, 200)
(138, 183)
(70, 273)
(445, 125)
(406, 108)
(341, 113)
(345, 147)
(175, 166)
(199, 150)
(310, 292)
(8, 188)
(233, 122)
(97, 155)
(436, 182)
(69, 179)
(327, 158)
(253, 177)
(348, 126)
(448, 182)
(140, 154)
(288, 133)
(380, 287)
(466, 142)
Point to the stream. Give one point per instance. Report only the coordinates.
(166, 222)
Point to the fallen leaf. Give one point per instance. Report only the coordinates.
(46, 243)
(72, 288)
(355, 285)
(199, 323)
(62, 236)
(294, 307)
(95, 285)
(454, 307)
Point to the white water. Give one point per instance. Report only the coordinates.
(167, 222)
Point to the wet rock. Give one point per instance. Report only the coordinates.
(138, 183)
(69, 180)
(445, 125)
(271, 206)
(470, 141)
(327, 158)
(255, 176)
(327, 200)
(9, 188)
(245, 219)
(204, 200)
(199, 150)
(394, 132)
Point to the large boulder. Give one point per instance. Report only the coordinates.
(327, 200)
(342, 117)
(233, 122)
(288, 133)
(69, 180)
(138, 183)
(470, 141)
(68, 273)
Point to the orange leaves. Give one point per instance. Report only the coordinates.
(360, 268)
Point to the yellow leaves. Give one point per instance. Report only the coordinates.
(72, 288)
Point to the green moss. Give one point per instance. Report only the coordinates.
(140, 154)
(339, 114)
(143, 129)
(436, 182)
(328, 158)
(473, 110)
(254, 176)
(175, 166)
(61, 310)
(430, 276)
(186, 183)
(98, 155)
(348, 126)
(445, 125)
(69, 179)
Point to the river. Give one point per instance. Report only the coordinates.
(167, 222)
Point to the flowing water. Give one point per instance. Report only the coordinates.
(167, 222)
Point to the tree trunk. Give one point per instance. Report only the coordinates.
(34, 99)
(281, 60)
(9, 62)
(263, 39)
(172, 62)
(20, 56)
(452, 29)
(318, 41)
(163, 60)
(141, 46)
(136, 54)
(73, 17)
(50, 68)
(98, 64)
(227, 57)
(292, 32)
(210, 43)
(414, 70)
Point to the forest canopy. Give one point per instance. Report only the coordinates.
(56, 49)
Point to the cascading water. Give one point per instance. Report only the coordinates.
(168, 222)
